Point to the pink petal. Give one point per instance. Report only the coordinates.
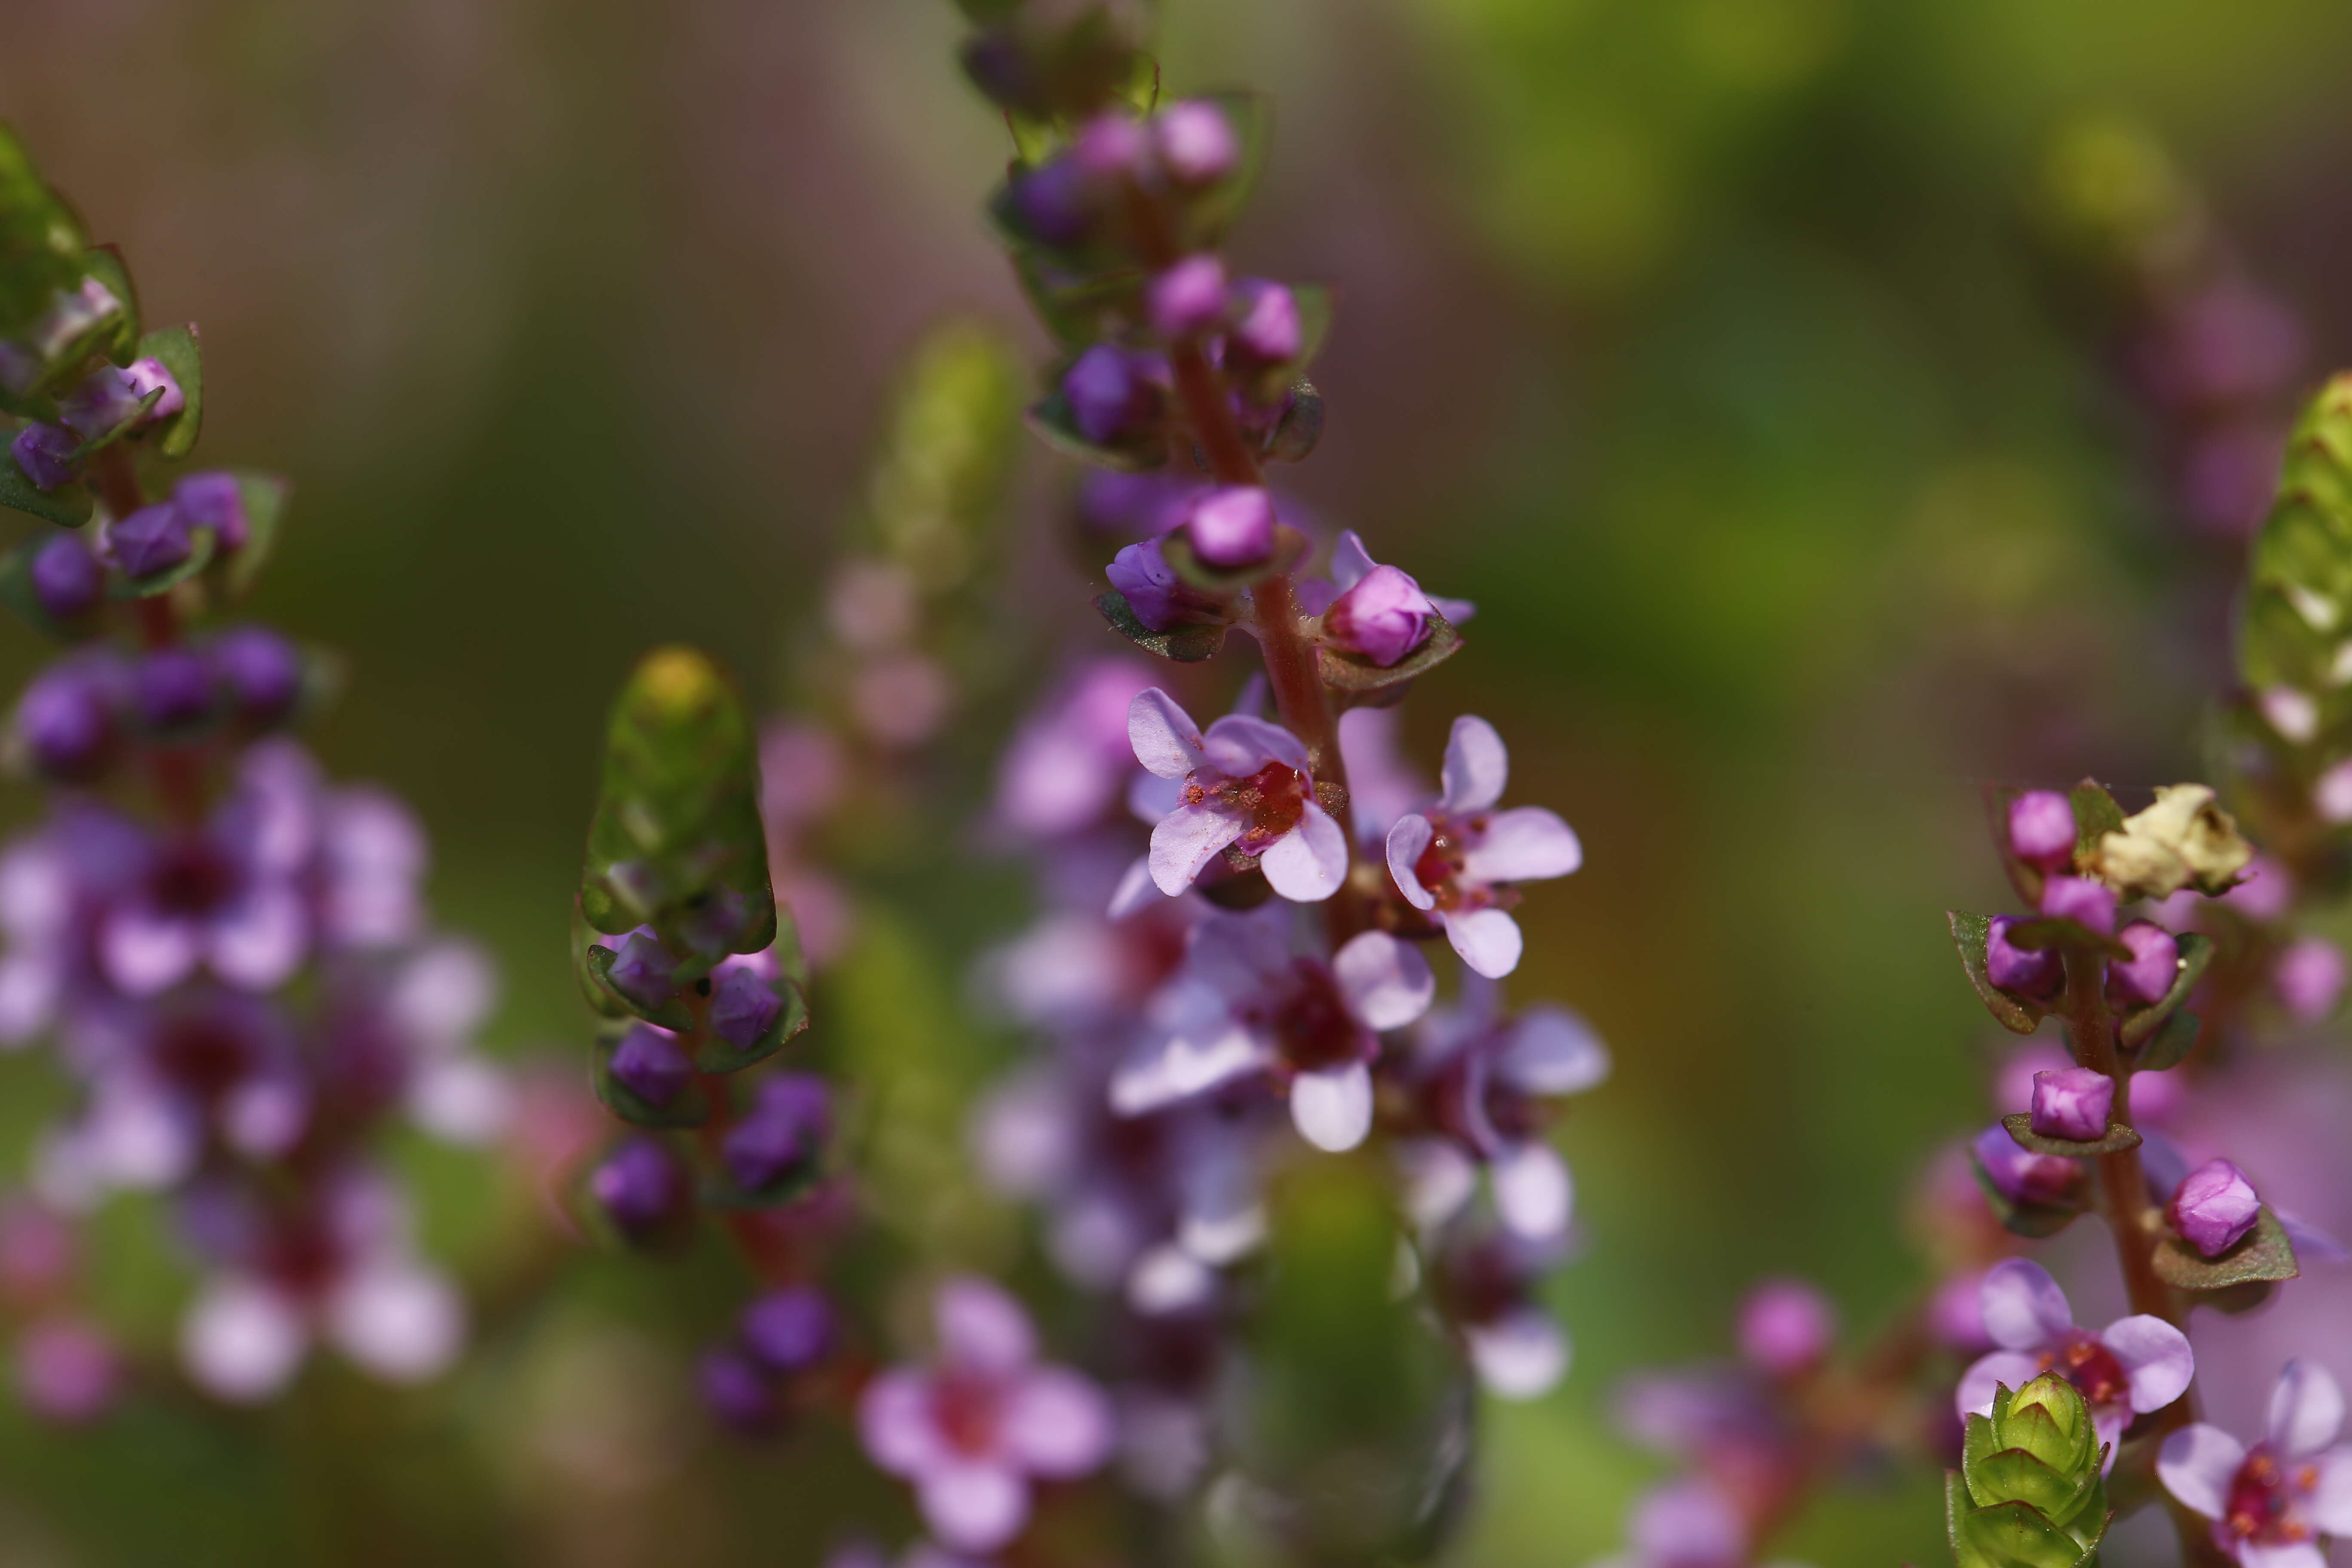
(1181, 1066)
(144, 951)
(1151, 797)
(400, 1321)
(1237, 956)
(1455, 611)
(1387, 983)
(1350, 561)
(1136, 890)
(982, 1327)
(1525, 844)
(2156, 1356)
(1408, 841)
(1187, 839)
(2023, 1307)
(2307, 1411)
(2299, 1554)
(1238, 745)
(1308, 864)
(1974, 1396)
(1058, 1423)
(1552, 1051)
(1533, 1191)
(1333, 1110)
(242, 1341)
(894, 1421)
(1520, 1355)
(1165, 739)
(1488, 941)
(2198, 1464)
(1439, 1178)
(974, 1506)
(258, 944)
(1477, 766)
(2330, 1503)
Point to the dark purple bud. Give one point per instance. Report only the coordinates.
(2020, 969)
(145, 375)
(1785, 1327)
(1384, 617)
(1265, 331)
(2215, 1207)
(174, 688)
(2022, 1176)
(1187, 300)
(1232, 525)
(649, 1065)
(640, 1186)
(45, 452)
(213, 501)
(642, 971)
(786, 1125)
(789, 1329)
(1054, 203)
(737, 1391)
(743, 1005)
(2041, 829)
(262, 671)
(999, 65)
(101, 402)
(1196, 141)
(1111, 398)
(2149, 973)
(153, 539)
(2082, 900)
(1158, 597)
(712, 924)
(2072, 1102)
(66, 720)
(68, 580)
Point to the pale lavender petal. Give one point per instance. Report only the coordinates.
(980, 1326)
(2107, 1424)
(1533, 1191)
(1181, 1066)
(2295, 1554)
(1165, 739)
(1488, 941)
(30, 982)
(1455, 611)
(1308, 864)
(1236, 956)
(1333, 1110)
(2155, 1357)
(2307, 1411)
(2197, 1465)
(2330, 1502)
(1520, 1355)
(1408, 841)
(2311, 1243)
(1186, 840)
(1439, 1178)
(400, 1321)
(144, 951)
(1057, 1424)
(1387, 983)
(974, 1506)
(1238, 745)
(1477, 766)
(462, 1100)
(894, 1420)
(1974, 1396)
(256, 945)
(2023, 1307)
(1136, 890)
(1552, 1051)
(242, 1341)
(1350, 561)
(1525, 844)
(1151, 797)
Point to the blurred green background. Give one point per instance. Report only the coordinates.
(1718, 349)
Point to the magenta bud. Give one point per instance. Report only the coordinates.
(2019, 969)
(1151, 588)
(2024, 1177)
(68, 580)
(1197, 144)
(2309, 975)
(642, 971)
(649, 1065)
(1232, 525)
(2082, 900)
(213, 501)
(1384, 617)
(2073, 1103)
(1785, 1327)
(146, 375)
(2214, 1208)
(2041, 829)
(1111, 398)
(791, 1329)
(2149, 973)
(1188, 299)
(46, 453)
(1265, 330)
(1111, 146)
(153, 539)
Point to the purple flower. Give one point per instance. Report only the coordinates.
(1055, 202)
(1068, 764)
(2082, 900)
(1135, 505)
(1486, 1281)
(2132, 1366)
(2073, 1103)
(216, 501)
(153, 539)
(67, 719)
(649, 1065)
(1267, 331)
(104, 402)
(1242, 1004)
(789, 1330)
(2309, 977)
(1114, 395)
(66, 1372)
(2022, 1176)
(642, 969)
(2041, 829)
(1188, 299)
(743, 1000)
(783, 1131)
(1232, 525)
(1111, 146)
(1688, 1523)
(2270, 1502)
(261, 670)
(174, 688)
(146, 375)
(1196, 142)
(971, 1430)
(2031, 971)
(1460, 859)
(1158, 597)
(229, 895)
(1786, 1326)
(736, 1390)
(2214, 1208)
(1245, 783)
(67, 581)
(640, 1186)
(46, 453)
(2149, 973)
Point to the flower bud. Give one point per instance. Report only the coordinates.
(1267, 329)
(791, 1329)
(1785, 1327)
(213, 501)
(2041, 829)
(1232, 525)
(1188, 299)
(641, 1187)
(2013, 968)
(1053, 203)
(736, 1390)
(1196, 142)
(786, 1125)
(1160, 598)
(145, 375)
(2183, 840)
(105, 400)
(1111, 398)
(642, 971)
(743, 1005)
(68, 580)
(2149, 973)
(1111, 146)
(2214, 1208)
(261, 670)
(173, 688)
(2049, 1419)
(2081, 900)
(1384, 617)
(2073, 1103)
(2309, 977)
(2022, 1176)
(65, 721)
(649, 1065)
(153, 539)
(46, 453)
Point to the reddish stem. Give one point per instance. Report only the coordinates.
(178, 770)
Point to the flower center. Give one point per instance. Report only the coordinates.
(203, 1054)
(965, 1407)
(2262, 1499)
(1271, 801)
(190, 879)
(1313, 1024)
(1441, 865)
(2093, 1369)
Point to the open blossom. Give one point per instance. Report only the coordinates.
(2270, 1502)
(1487, 1282)
(972, 1430)
(1689, 1524)
(2132, 1366)
(1461, 858)
(1243, 1004)
(1245, 783)
(1070, 759)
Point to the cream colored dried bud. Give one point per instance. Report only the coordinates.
(2184, 840)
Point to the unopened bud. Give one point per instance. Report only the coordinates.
(2073, 1103)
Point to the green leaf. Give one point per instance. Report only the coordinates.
(264, 496)
(1187, 642)
(40, 239)
(2196, 953)
(1363, 684)
(2173, 1042)
(2263, 1253)
(716, 1056)
(176, 347)
(2032, 1221)
(720, 1190)
(2096, 814)
(67, 505)
(1290, 547)
(2013, 1475)
(1295, 435)
(2018, 1014)
(690, 1108)
(2062, 934)
(1075, 306)
(2299, 582)
(595, 966)
(2012, 1535)
(121, 587)
(2118, 1139)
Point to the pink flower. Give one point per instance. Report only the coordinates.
(1460, 859)
(1376, 611)
(2214, 1208)
(2268, 1503)
(2132, 1366)
(2072, 1102)
(1245, 783)
(972, 1430)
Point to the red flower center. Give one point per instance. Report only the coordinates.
(2262, 1499)
(2091, 1368)
(1270, 802)
(189, 879)
(1312, 1023)
(965, 1406)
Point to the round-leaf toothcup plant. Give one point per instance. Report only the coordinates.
(2027, 1493)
